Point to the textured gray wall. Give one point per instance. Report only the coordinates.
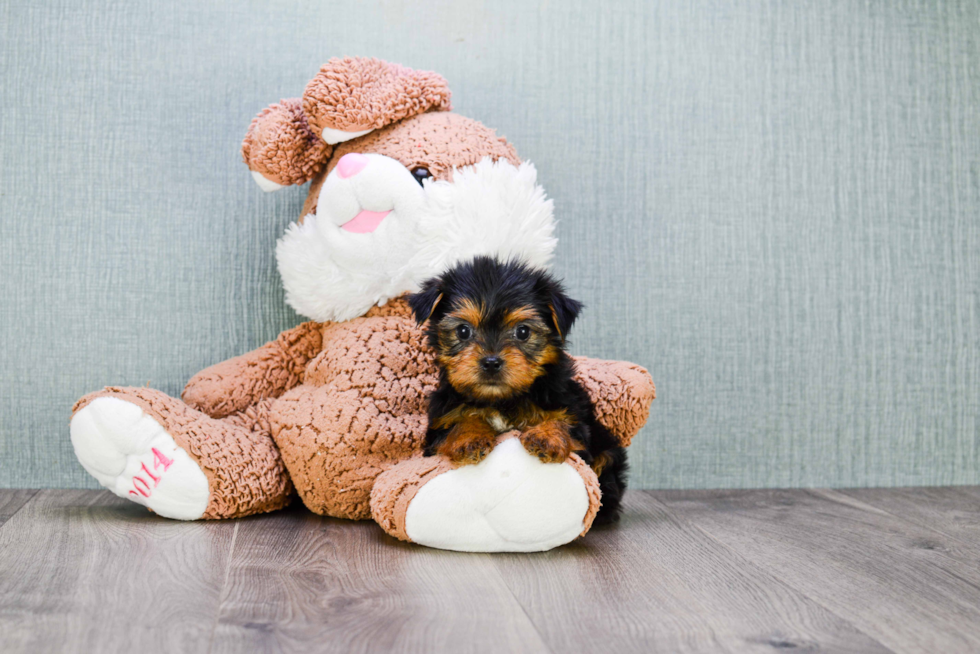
(774, 206)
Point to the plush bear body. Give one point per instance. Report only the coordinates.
(334, 409)
(327, 409)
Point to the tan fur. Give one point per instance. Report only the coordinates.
(469, 441)
(549, 441)
(554, 319)
(468, 311)
(463, 413)
(519, 370)
(434, 305)
(516, 316)
(531, 415)
(600, 462)
(546, 434)
(463, 369)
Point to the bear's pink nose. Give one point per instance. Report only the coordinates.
(351, 164)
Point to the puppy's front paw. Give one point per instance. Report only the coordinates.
(468, 444)
(548, 441)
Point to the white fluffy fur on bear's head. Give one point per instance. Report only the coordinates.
(378, 233)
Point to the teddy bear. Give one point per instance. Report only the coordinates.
(334, 410)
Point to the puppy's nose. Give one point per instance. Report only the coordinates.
(491, 363)
(351, 164)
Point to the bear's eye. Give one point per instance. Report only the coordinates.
(523, 332)
(463, 332)
(421, 173)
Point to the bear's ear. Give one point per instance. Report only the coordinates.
(425, 303)
(352, 96)
(280, 148)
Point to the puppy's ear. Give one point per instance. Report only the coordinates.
(564, 310)
(426, 301)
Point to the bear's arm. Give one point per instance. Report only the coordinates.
(269, 371)
(621, 392)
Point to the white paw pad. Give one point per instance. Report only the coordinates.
(129, 453)
(509, 502)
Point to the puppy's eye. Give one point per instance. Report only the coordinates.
(421, 173)
(523, 332)
(463, 332)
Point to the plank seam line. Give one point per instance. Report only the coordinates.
(34, 492)
(530, 620)
(224, 587)
(766, 573)
(838, 498)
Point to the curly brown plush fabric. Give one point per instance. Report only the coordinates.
(361, 407)
(267, 372)
(360, 410)
(245, 473)
(621, 392)
(591, 487)
(281, 146)
(437, 141)
(407, 109)
(357, 93)
(284, 142)
(330, 407)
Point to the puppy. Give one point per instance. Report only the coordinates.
(499, 331)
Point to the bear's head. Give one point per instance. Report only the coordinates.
(400, 187)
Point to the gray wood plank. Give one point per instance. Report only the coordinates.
(11, 499)
(684, 571)
(298, 580)
(911, 588)
(954, 511)
(655, 583)
(84, 571)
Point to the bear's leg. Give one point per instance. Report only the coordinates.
(509, 502)
(156, 451)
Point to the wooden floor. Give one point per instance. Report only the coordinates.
(734, 571)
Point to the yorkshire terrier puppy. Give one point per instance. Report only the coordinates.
(499, 332)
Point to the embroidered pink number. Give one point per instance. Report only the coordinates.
(145, 491)
(156, 480)
(159, 459)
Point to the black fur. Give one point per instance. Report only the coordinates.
(501, 287)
